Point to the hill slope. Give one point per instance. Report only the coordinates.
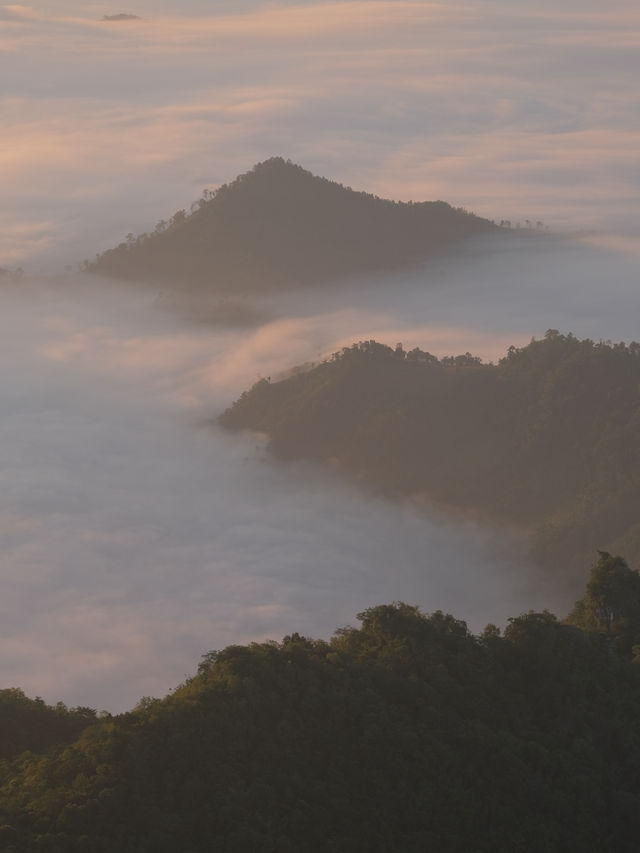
(548, 439)
(408, 734)
(280, 226)
(30, 724)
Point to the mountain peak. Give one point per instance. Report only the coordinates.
(280, 226)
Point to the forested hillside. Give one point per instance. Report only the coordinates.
(406, 734)
(548, 439)
(279, 226)
(31, 724)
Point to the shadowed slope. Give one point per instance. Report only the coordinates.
(548, 439)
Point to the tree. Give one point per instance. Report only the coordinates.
(611, 604)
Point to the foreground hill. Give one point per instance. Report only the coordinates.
(406, 735)
(280, 226)
(31, 724)
(548, 439)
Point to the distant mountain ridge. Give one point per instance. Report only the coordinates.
(280, 226)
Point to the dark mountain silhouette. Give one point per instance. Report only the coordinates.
(279, 226)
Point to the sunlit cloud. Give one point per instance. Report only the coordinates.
(18, 239)
(17, 11)
(619, 243)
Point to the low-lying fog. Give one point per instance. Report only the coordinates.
(136, 535)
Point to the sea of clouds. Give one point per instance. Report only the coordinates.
(136, 535)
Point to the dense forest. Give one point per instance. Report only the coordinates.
(547, 440)
(404, 735)
(31, 724)
(279, 226)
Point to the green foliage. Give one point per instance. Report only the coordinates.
(278, 226)
(610, 606)
(547, 440)
(406, 734)
(31, 724)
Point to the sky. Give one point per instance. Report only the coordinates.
(513, 110)
(134, 535)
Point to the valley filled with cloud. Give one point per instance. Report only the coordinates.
(135, 534)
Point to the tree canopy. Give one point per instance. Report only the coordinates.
(610, 606)
(31, 724)
(405, 734)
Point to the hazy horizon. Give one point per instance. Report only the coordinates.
(512, 112)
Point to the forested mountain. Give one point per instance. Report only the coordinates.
(279, 226)
(406, 735)
(548, 439)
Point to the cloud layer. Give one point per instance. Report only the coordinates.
(513, 111)
(135, 536)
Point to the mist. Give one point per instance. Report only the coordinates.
(493, 292)
(136, 535)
